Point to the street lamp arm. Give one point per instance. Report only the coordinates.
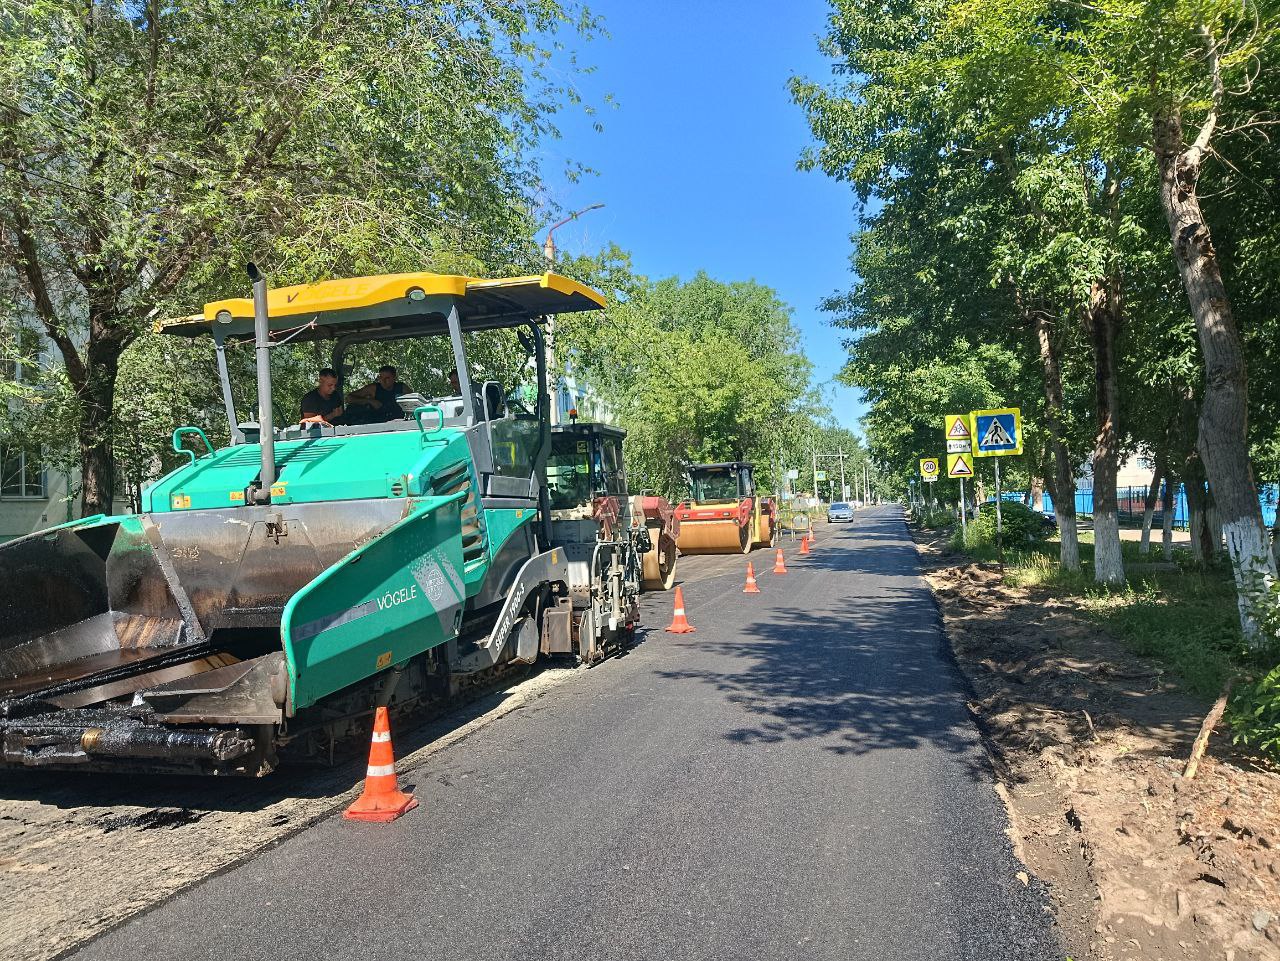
(549, 248)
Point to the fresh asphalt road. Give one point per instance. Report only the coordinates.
(798, 779)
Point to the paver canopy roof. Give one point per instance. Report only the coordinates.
(338, 307)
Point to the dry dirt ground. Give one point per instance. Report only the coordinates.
(80, 854)
(1089, 741)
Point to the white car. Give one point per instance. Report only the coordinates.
(839, 511)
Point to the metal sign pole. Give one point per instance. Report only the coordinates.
(999, 529)
(964, 524)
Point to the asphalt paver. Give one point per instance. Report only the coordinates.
(797, 779)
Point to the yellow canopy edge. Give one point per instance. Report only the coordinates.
(334, 301)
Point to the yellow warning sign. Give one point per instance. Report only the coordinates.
(956, 427)
(959, 465)
(929, 468)
(181, 501)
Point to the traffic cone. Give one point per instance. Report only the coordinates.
(812, 540)
(779, 566)
(382, 799)
(751, 587)
(804, 544)
(679, 624)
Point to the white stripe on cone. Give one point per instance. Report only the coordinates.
(381, 737)
(380, 770)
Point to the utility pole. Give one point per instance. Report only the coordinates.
(844, 487)
(549, 253)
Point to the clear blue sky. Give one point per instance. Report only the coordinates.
(697, 163)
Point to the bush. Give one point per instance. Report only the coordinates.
(935, 518)
(1021, 525)
(1255, 710)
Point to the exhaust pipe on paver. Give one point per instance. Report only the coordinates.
(266, 426)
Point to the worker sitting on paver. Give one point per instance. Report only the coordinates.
(376, 403)
(323, 405)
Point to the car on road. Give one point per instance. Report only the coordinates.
(839, 511)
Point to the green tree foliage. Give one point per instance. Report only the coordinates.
(1016, 158)
(148, 150)
(697, 372)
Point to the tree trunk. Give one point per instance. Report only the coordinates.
(1108, 561)
(1202, 543)
(1168, 510)
(1064, 480)
(1149, 505)
(1222, 440)
(1275, 535)
(97, 398)
(1037, 494)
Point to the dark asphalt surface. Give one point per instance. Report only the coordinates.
(798, 779)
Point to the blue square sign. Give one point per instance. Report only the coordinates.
(997, 432)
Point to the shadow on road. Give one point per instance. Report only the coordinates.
(864, 669)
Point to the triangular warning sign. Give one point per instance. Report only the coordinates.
(959, 429)
(959, 466)
(996, 436)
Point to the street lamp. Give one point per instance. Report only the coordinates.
(549, 252)
(549, 247)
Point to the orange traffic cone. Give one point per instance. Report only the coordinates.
(804, 544)
(779, 566)
(812, 539)
(382, 799)
(679, 624)
(751, 587)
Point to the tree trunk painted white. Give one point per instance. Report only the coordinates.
(1100, 321)
(1064, 478)
(1222, 438)
(1149, 506)
(1108, 562)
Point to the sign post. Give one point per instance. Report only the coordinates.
(997, 433)
(960, 466)
(958, 433)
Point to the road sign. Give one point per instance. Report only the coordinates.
(996, 433)
(793, 474)
(959, 446)
(956, 427)
(819, 475)
(929, 468)
(960, 465)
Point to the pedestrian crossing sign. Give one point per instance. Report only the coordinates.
(929, 468)
(960, 465)
(996, 433)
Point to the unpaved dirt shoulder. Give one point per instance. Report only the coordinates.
(81, 853)
(1089, 742)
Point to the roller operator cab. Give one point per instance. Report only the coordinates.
(595, 515)
(272, 592)
(725, 514)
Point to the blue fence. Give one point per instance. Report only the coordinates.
(1131, 501)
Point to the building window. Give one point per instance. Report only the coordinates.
(21, 474)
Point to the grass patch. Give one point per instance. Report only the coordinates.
(1185, 617)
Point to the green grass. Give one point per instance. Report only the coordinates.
(1185, 618)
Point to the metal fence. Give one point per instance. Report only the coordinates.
(1131, 501)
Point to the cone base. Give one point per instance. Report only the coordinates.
(381, 810)
(751, 590)
(687, 629)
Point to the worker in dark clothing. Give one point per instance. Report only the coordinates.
(324, 404)
(376, 402)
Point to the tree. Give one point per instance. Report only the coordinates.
(148, 150)
(697, 371)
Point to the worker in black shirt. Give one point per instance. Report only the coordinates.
(376, 403)
(324, 404)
